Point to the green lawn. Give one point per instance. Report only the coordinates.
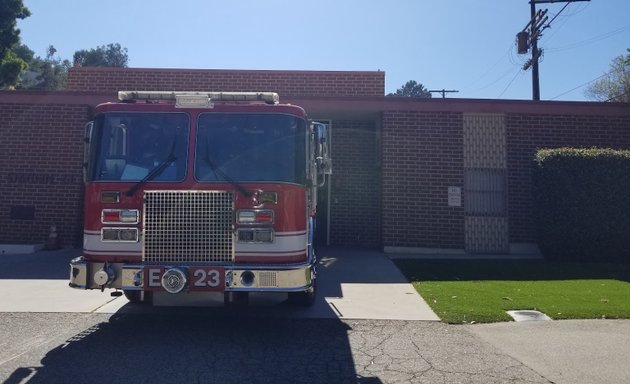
(463, 291)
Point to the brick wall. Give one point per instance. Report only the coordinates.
(422, 157)
(393, 159)
(286, 83)
(356, 184)
(528, 132)
(41, 153)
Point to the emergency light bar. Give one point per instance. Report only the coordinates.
(199, 99)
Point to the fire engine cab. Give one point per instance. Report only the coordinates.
(201, 195)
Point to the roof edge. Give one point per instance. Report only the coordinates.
(231, 71)
(370, 104)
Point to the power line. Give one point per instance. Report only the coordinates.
(578, 11)
(556, 16)
(548, 37)
(510, 55)
(582, 85)
(618, 96)
(528, 40)
(495, 81)
(565, 18)
(509, 50)
(541, 23)
(591, 40)
(511, 81)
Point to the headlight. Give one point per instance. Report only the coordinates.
(120, 216)
(255, 235)
(255, 216)
(119, 234)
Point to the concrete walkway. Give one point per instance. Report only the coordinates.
(365, 284)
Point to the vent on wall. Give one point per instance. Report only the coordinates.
(22, 212)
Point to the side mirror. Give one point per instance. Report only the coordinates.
(325, 165)
(323, 162)
(86, 148)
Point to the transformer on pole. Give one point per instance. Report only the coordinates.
(527, 39)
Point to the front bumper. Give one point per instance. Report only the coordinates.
(266, 278)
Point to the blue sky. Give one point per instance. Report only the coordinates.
(466, 45)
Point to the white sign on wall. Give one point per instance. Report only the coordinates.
(454, 196)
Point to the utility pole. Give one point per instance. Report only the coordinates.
(535, 53)
(529, 40)
(444, 92)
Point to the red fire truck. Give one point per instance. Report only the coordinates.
(202, 195)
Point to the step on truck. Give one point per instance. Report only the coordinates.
(201, 197)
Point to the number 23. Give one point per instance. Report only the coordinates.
(207, 278)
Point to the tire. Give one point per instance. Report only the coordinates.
(238, 299)
(304, 298)
(135, 297)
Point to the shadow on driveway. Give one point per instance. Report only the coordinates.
(200, 349)
(49, 265)
(513, 270)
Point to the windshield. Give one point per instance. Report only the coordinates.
(129, 146)
(251, 147)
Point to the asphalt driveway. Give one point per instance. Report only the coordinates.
(368, 326)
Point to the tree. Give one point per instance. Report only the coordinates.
(412, 89)
(24, 52)
(10, 70)
(614, 85)
(49, 73)
(10, 11)
(53, 71)
(10, 64)
(112, 55)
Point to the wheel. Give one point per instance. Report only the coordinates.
(304, 298)
(237, 299)
(135, 297)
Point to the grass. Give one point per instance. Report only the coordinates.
(465, 291)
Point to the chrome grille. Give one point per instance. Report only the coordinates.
(188, 226)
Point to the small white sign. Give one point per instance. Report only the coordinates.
(454, 196)
(193, 101)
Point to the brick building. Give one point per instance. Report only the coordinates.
(421, 175)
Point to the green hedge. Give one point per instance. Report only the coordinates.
(582, 204)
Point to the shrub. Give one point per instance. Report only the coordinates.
(582, 203)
